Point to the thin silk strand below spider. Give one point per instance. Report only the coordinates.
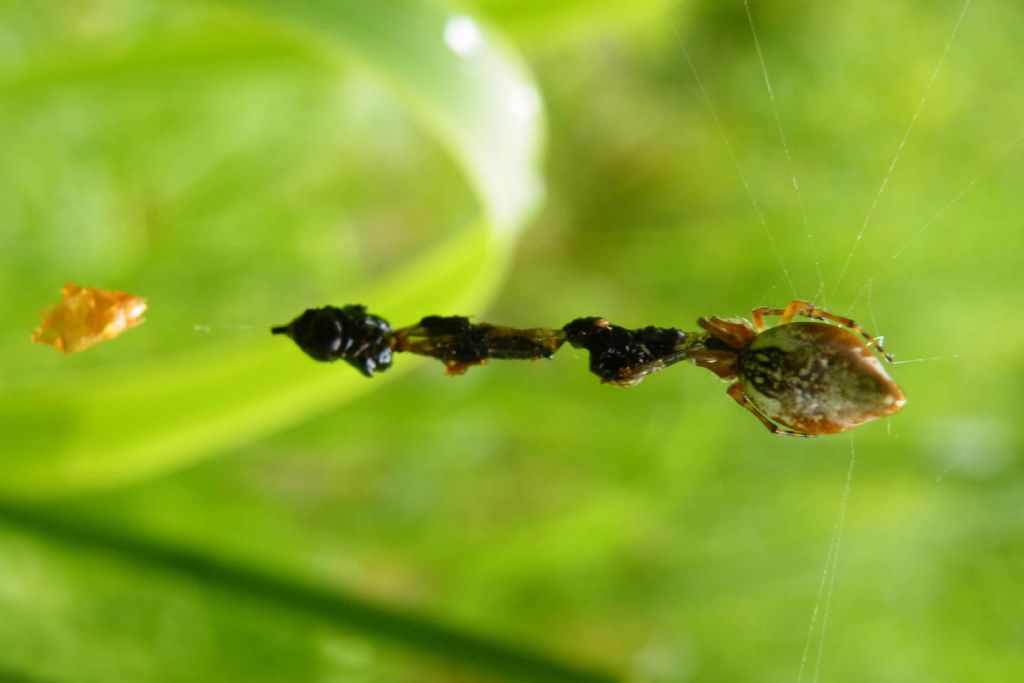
(797, 378)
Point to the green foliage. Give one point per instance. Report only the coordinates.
(111, 426)
(198, 501)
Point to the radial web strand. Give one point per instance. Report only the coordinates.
(826, 587)
(899, 148)
(939, 214)
(789, 156)
(735, 160)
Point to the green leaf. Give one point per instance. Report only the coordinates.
(93, 424)
(561, 21)
(195, 617)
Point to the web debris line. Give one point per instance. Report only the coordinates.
(207, 328)
(789, 157)
(735, 160)
(903, 143)
(940, 213)
(826, 588)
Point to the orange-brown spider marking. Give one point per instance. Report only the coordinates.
(802, 378)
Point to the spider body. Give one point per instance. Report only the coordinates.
(802, 378)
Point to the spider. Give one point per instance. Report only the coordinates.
(801, 378)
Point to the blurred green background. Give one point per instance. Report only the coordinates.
(198, 501)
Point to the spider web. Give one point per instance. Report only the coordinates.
(826, 281)
(813, 654)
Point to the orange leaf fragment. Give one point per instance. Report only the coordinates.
(87, 316)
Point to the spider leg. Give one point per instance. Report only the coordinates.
(722, 363)
(735, 335)
(795, 307)
(758, 315)
(740, 396)
(809, 310)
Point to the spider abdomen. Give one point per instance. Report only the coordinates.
(816, 378)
